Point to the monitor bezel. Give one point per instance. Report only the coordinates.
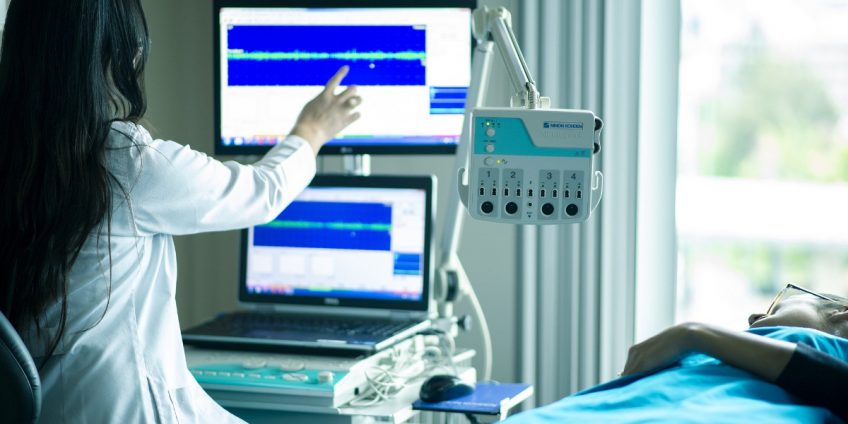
(342, 149)
(426, 183)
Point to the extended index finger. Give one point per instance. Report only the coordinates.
(334, 82)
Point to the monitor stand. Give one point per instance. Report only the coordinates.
(359, 165)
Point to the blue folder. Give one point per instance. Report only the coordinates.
(488, 398)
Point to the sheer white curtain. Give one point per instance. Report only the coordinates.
(656, 241)
(584, 290)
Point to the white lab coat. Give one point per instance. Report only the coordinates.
(128, 365)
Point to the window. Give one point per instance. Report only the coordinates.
(762, 192)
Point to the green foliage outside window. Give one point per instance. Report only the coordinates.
(773, 119)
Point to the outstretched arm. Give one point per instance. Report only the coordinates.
(762, 356)
(816, 377)
(182, 191)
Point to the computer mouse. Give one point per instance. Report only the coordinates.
(442, 387)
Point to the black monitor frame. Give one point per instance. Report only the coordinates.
(424, 182)
(448, 149)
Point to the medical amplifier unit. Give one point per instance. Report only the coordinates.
(532, 166)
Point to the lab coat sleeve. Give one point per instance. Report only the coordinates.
(183, 191)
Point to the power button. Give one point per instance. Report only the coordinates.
(490, 132)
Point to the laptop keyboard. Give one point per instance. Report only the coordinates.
(240, 322)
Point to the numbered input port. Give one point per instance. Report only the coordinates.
(511, 208)
(547, 209)
(487, 207)
(572, 209)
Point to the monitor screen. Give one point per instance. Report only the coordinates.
(343, 242)
(412, 67)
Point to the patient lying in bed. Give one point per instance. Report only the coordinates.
(791, 365)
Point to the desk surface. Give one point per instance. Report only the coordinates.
(396, 410)
(269, 407)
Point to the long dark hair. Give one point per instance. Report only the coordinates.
(68, 70)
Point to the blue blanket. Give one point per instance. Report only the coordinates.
(699, 389)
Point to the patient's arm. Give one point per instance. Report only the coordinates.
(762, 356)
(813, 376)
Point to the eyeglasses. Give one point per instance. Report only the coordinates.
(788, 290)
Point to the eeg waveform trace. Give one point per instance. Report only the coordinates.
(337, 225)
(352, 55)
(328, 225)
(304, 55)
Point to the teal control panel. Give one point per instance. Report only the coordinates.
(240, 379)
(533, 166)
(266, 377)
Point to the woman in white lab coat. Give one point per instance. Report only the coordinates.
(89, 203)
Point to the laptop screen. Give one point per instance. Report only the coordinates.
(345, 241)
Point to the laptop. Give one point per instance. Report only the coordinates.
(346, 267)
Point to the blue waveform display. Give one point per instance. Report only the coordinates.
(329, 225)
(448, 100)
(309, 55)
(408, 263)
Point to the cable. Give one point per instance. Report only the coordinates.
(385, 383)
(407, 366)
(599, 187)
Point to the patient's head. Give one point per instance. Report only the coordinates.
(806, 310)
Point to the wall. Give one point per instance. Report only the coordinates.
(2, 16)
(179, 88)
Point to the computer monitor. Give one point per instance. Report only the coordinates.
(411, 61)
(345, 241)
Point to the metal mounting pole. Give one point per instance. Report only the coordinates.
(455, 212)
